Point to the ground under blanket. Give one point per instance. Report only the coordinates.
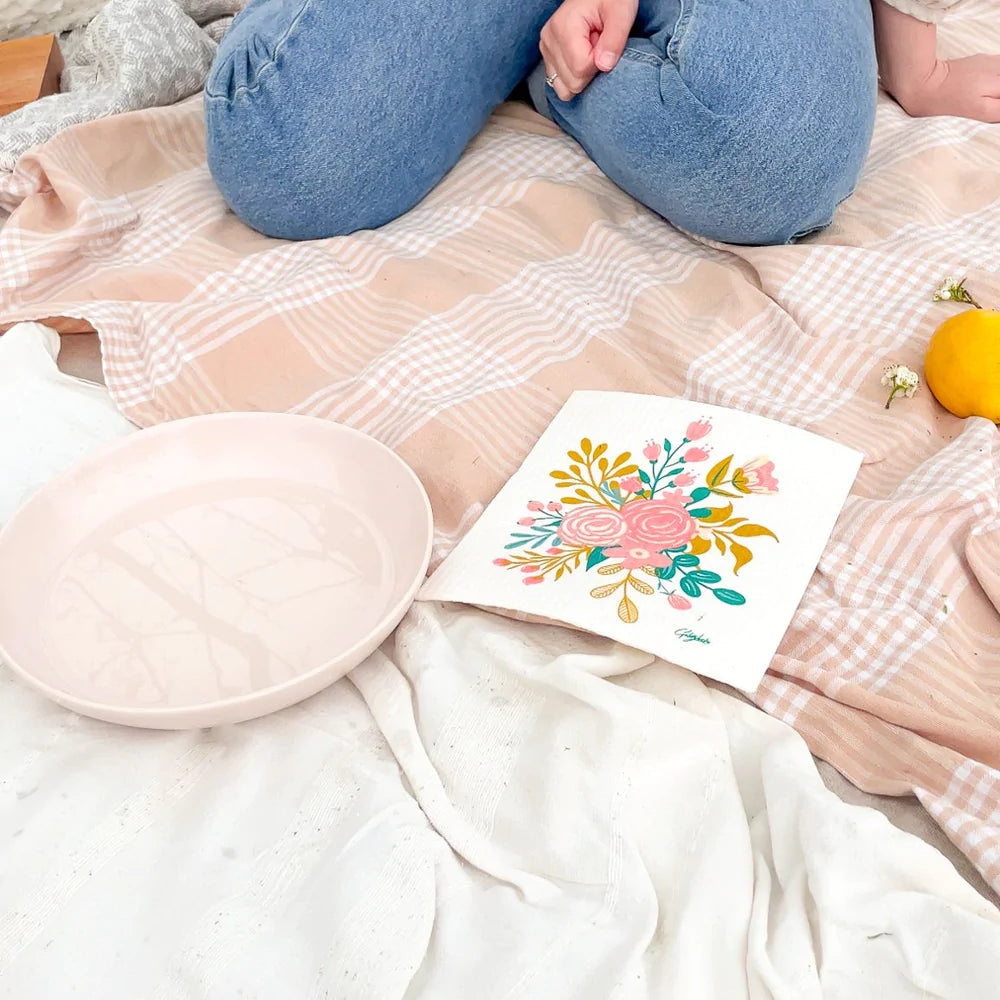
(455, 333)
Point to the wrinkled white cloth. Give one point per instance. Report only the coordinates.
(133, 54)
(49, 419)
(483, 809)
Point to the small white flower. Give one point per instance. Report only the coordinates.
(943, 294)
(955, 291)
(901, 381)
(908, 380)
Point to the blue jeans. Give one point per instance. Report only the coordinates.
(746, 121)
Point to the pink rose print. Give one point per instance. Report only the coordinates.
(695, 455)
(697, 429)
(535, 505)
(684, 479)
(634, 555)
(663, 524)
(652, 451)
(678, 601)
(757, 476)
(589, 526)
(631, 484)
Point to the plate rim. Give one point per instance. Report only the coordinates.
(386, 623)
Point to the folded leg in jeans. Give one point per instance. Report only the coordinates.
(742, 120)
(328, 116)
(747, 121)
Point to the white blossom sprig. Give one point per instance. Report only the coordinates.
(900, 380)
(955, 291)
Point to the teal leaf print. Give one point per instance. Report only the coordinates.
(729, 596)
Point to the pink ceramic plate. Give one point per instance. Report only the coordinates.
(211, 570)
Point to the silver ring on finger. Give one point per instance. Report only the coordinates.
(549, 80)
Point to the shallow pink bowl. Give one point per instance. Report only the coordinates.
(211, 570)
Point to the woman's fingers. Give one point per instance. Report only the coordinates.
(566, 49)
(582, 38)
(556, 68)
(556, 78)
(617, 19)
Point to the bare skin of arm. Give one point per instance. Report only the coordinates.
(925, 85)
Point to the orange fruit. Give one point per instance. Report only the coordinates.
(962, 365)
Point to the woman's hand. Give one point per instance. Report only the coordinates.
(967, 88)
(584, 38)
(925, 85)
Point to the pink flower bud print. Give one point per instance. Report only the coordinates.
(679, 601)
(531, 580)
(695, 455)
(527, 521)
(631, 484)
(684, 479)
(501, 562)
(756, 476)
(698, 429)
(554, 505)
(652, 451)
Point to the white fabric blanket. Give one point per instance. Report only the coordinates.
(485, 809)
(476, 812)
(50, 420)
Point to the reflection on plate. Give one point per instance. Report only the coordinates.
(240, 563)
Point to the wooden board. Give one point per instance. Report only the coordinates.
(29, 69)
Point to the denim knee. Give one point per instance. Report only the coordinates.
(327, 116)
(777, 188)
(773, 195)
(292, 158)
(791, 121)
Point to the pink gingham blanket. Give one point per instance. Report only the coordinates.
(455, 333)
